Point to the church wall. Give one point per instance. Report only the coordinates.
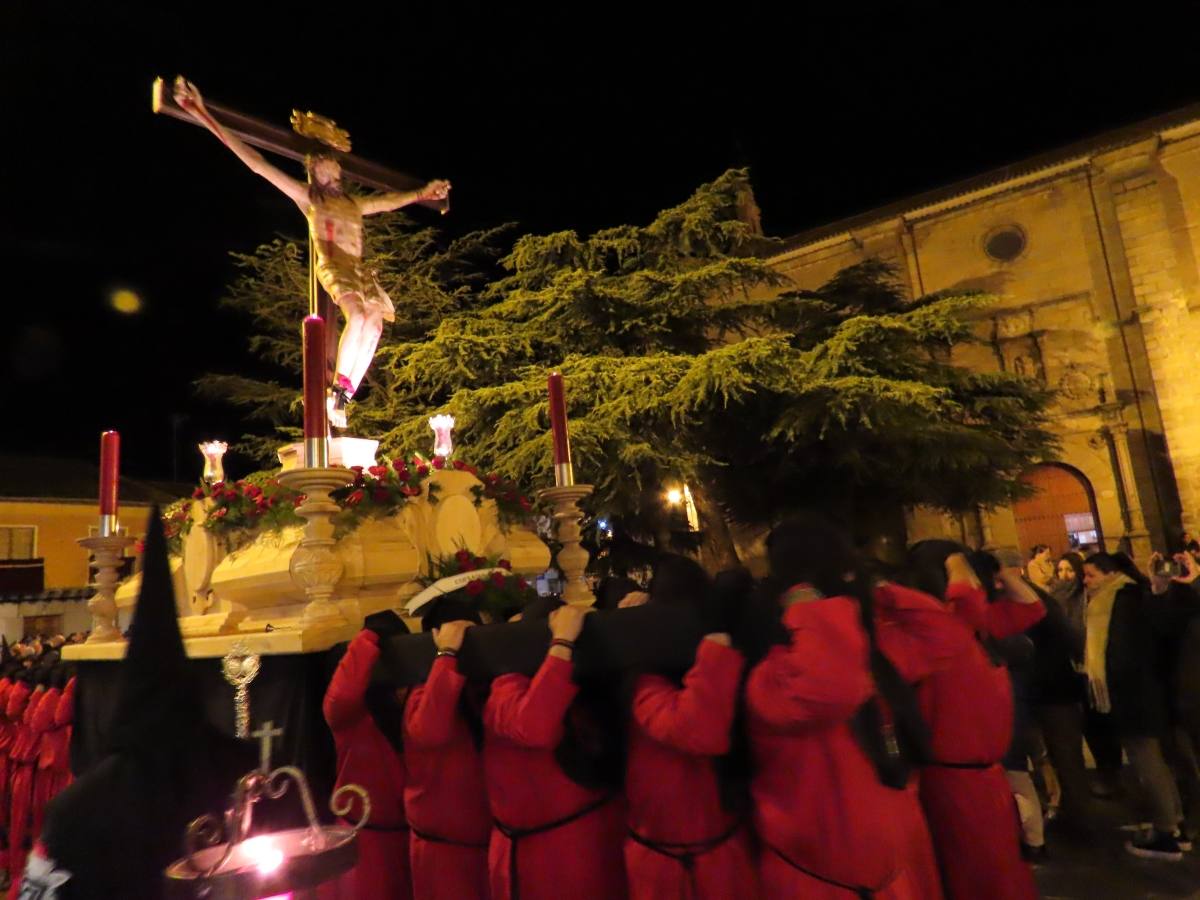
(1098, 305)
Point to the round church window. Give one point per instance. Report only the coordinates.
(1005, 244)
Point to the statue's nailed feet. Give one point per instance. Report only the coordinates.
(336, 404)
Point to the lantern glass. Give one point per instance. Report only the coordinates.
(213, 452)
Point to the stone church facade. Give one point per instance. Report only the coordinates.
(1093, 252)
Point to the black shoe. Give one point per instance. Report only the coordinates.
(1156, 845)
(1184, 839)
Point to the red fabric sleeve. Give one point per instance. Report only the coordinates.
(1007, 617)
(821, 675)
(530, 713)
(344, 704)
(697, 717)
(64, 713)
(916, 632)
(430, 712)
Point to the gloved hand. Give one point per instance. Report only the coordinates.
(385, 624)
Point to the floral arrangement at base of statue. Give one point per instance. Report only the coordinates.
(379, 492)
(241, 510)
(497, 591)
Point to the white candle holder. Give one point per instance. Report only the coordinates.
(572, 558)
(107, 552)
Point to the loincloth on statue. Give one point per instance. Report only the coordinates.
(340, 273)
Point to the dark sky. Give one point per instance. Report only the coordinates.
(591, 116)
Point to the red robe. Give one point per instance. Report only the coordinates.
(445, 797)
(22, 702)
(967, 703)
(828, 825)
(672, 789)
(60, 738)
(366, 758)
(579, 860)
(44, 776)
(7, 734)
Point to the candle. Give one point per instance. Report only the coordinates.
(110, 474)
(564, 474)
(316, 447)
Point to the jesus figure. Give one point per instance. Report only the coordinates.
(335, 223)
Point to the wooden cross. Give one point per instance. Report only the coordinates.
(283, 142)
(264, 736)
(287, 143)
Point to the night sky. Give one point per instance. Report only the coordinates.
(588, 117)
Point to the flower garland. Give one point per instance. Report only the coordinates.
(239, 510)
(380, 492)
(500, 593)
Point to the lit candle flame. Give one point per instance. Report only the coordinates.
(263, 854)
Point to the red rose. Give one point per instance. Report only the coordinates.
(220, 513)
(380, 495)
(498, 579)
(217, 486)
(198, 494)
(254, 491)
(378, 471)
(505, 564)
(271, 501)
(409, 491)
(357, 470)
(522, 584)
(524, 504)
(403, 474)
(422, 470)
(462, 555)
(439, 462)
(230, 495)
(475, 588)
(260, 501)
(459, 464)
(399, 464)
(474, 471)
(491, 478)
(355, 498)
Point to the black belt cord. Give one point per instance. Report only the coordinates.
(960, 765)
(438, 839)
(685, 854)
(865, 893)
(514, 835)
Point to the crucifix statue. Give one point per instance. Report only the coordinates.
(335, 219)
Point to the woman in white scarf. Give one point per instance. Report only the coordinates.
(1119, 662)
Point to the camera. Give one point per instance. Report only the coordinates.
(1167, 568)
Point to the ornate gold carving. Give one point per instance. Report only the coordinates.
(319, 128)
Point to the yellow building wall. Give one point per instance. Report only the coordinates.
(60, 523)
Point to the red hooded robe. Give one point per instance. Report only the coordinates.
(683, 844)
(554, 839)
(445, 797)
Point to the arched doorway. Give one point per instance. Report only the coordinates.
(1061, 514)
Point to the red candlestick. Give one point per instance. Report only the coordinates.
(315, 428)
(110, 475)
(564, 474)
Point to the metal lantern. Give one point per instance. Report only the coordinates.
(225, 862)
